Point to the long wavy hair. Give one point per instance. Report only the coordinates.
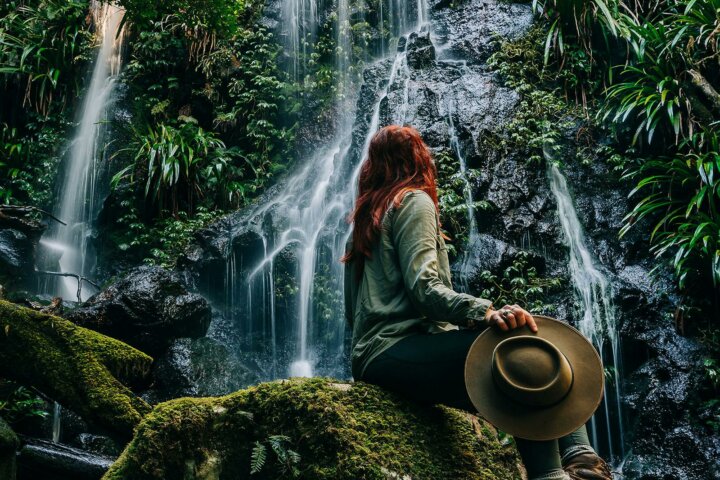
(397, 161)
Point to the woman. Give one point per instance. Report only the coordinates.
(411, 331)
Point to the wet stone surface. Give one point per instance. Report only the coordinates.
(147, 309)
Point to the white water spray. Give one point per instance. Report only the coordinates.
(77, 202)
(313, 206)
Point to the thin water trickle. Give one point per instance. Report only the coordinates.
(597, 317)
(56, 426)
(77, 197)
(299, 18)
(381, 29)
(466, 263)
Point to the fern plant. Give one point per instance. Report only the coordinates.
(40, 45)
(258, 458)
(287, 458)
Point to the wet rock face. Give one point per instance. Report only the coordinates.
(469, 30)
(17, 256)
(667, 439)
(198, 367)
(147, 309)
(421, 51)
(19, 237)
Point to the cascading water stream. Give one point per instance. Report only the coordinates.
(597, 317)
(77, 202)
(299, 19)
(313, 205)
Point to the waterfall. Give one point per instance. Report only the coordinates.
(299, 19)
(597, 317)
(309, 226)
(77, 196)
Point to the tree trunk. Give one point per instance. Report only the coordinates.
(707, 90)
(79, 368)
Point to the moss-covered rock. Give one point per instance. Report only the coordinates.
(312, 429)
(8, 446)
(79, 368)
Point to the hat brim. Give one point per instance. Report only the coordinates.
(536, 423)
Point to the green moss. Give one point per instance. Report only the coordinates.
(9, 443)
(79, 368)
(340, 431)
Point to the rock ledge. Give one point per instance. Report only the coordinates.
(329, 429)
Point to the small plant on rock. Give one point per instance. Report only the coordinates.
(285, 456)
(519, 283)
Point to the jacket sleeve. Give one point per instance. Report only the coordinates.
(414, 232)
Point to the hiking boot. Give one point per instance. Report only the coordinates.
(587, 466)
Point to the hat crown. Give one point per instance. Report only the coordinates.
(531, 370)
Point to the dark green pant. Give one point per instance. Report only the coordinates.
(430, 368)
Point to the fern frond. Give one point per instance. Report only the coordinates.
(257, 458)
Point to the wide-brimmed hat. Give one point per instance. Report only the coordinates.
(536, 386)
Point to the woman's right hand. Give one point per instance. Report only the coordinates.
(511, 317)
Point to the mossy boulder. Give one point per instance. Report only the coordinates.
(9, 444)
(77, 367)
(312, 429)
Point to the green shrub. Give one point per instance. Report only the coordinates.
(40, 43)
(519, 284)
(44, 45)
(201, 20)
(681, 194)
(156, 242)
(175, 161)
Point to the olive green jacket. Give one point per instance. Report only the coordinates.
(405, 286)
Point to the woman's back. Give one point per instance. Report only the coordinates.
(405, 286)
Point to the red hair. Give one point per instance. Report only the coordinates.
(397, 161)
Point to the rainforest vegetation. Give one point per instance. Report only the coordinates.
(214, 115)
(212, 112)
